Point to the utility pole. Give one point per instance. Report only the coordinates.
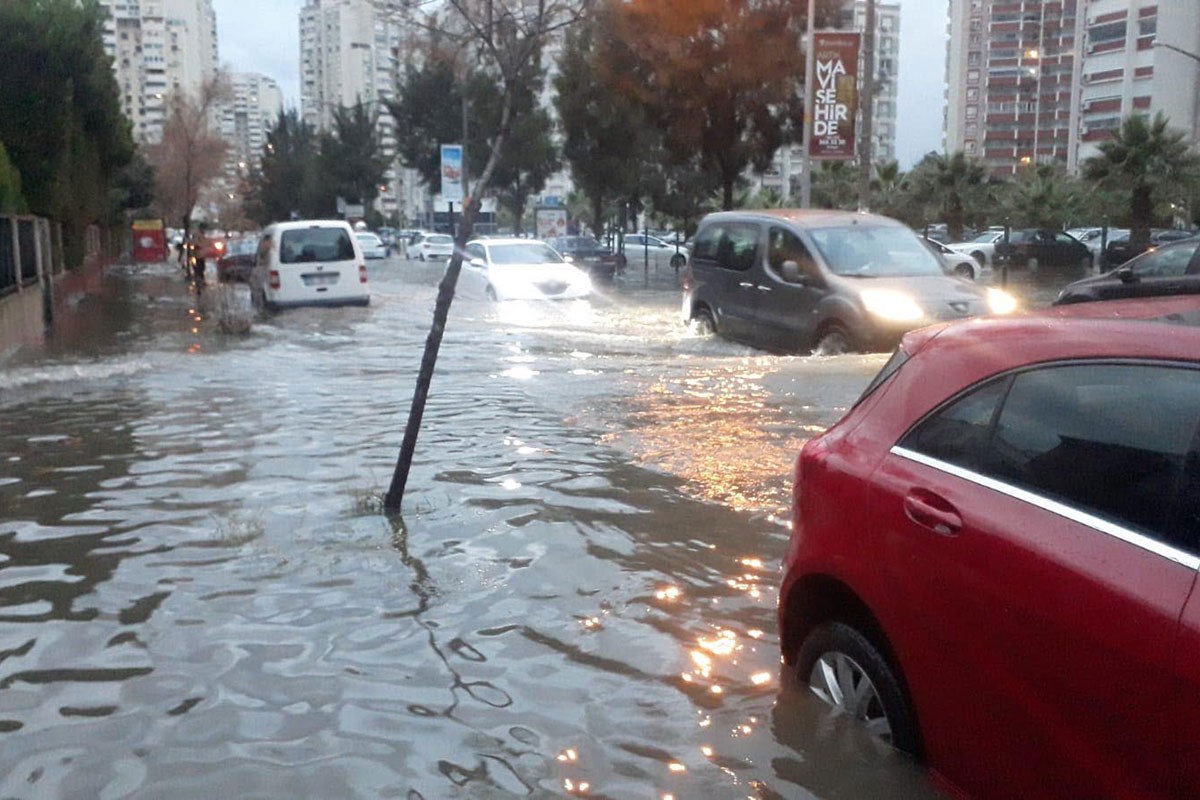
(867, 104)
(810, 62)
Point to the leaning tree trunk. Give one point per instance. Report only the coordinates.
(441, 310)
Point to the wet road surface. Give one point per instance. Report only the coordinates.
(199, 595)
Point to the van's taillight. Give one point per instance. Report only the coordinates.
(687, 280)
(274, 279)
(362, 273)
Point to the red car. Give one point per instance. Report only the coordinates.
(994, 552)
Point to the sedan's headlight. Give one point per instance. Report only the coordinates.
(1000, 301)
(892, 305)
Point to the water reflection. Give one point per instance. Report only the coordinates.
(200, 595)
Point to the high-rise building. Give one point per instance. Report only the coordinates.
(352, 51)
(246, 117)
(158, 47)
(1043, 81)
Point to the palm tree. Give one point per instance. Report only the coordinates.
(954, 186)
(1045, 197)
(1147, 159)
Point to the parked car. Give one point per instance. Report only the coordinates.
(600, 262)
(309, 262)
(993, 553)
(432, 247)
(661, 253)
(372, 246)
(831, 281)
(1121, 249)
(1166, 270)
(956, 263)
(1035, 248)
(982, 248)
(520, 269)
(236, 261)
(1094, 238)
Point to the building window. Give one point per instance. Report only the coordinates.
(1110, 32)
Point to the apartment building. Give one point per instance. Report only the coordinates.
(353, 51)
(246, 118)
(158, 47)
(1043, 81)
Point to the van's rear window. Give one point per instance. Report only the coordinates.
(315, 244)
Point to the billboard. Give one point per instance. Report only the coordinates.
(452, 167)
(835, 96)
(551, 221)
(149, 241)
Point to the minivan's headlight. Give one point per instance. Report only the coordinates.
(892, 305)
(1000, 301)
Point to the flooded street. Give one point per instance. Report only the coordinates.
(200, 596)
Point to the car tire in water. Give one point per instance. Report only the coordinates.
(491, 294)
(703, 323)
(845, 669)
(833, 340)
(965, 271)
(677, 261)
(1031, 264)
(980, 257)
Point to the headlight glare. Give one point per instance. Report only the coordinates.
(1000, 301)
(892, 305)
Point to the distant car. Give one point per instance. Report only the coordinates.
(1092, 238)
(309, 262)
(960, 264)
(994, 552)
(588, 254)
(829, 281)
(1120, 249)
(982, 248)
(520, 269)
(1034, 248)
(236, 262)
(660, 252)
(372, 246)
(432, 247)
(1167, 270)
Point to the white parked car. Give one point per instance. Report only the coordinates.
(960, 264)
(1091, 239)
(982, 248)
(432, 247)
(372, 246)
(520, 269)
(309, 262)
(661, 252)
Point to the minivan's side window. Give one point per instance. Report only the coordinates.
(783, 245)
(1166, 262)
(706, 243)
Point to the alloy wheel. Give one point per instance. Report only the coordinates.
(838, 680)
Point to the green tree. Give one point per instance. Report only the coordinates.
(835, 185)
(1148, 162)
(11, 200)
(61, 122)
(287, 182)
(605, 136)
(954, 188)
(721, 78)
(351, 158)
(1043, 197)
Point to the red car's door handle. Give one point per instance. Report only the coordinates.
(930, 511)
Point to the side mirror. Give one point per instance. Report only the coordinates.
(1126, 275)
(568, 259)
(477, 262)
(791, 273)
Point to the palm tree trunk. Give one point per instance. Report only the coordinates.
(1141, 211)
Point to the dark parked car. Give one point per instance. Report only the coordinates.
(237, 259)
(993, 554)
(1120, 249)
(588, 254)
(1034, 248)
(830, 281)
(1166, 270)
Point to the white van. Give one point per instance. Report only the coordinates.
(309, 262)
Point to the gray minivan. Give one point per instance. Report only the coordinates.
(828, 281)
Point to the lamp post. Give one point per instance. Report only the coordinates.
(1179, 50)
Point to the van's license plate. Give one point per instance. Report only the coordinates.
(319, 278)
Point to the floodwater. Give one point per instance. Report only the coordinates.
(199, 596)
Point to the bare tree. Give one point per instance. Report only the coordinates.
(507, 37)
(191, 153)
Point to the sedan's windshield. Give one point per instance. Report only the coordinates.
(532, 253)
(986, 238)
(875, 251)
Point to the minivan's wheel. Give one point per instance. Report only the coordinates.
(846, 670)
(677, 261)
(491, 294)
(965, 271)
(833, 340)
(703, 323)
(1031, 264)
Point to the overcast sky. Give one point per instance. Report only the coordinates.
(264, 36)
